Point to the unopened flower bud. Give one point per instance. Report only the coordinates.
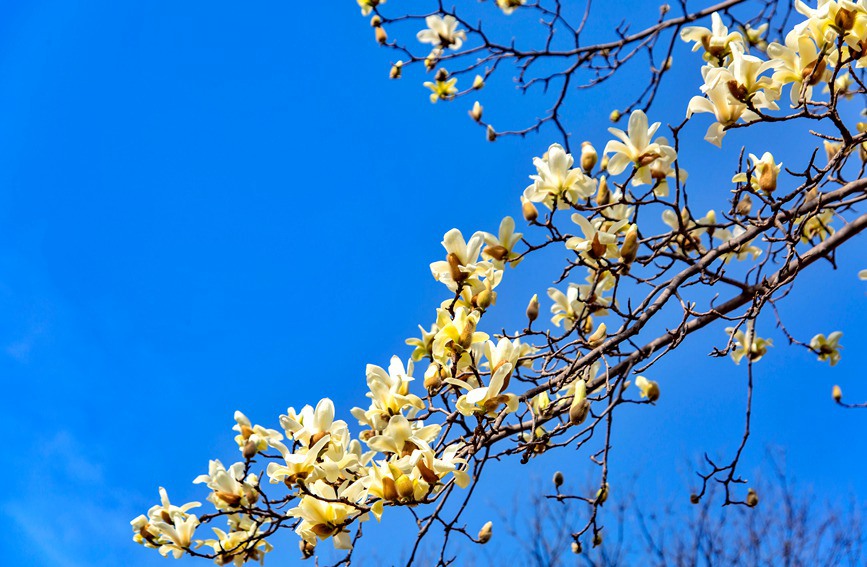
(599, 335)
(491, 133)
(664, 9)
(831, 149)
(667, 64)
(558, 479)
(694, 498)
(307, 549)
(576, 548)
(602, 494)
(442, 74)
(629, 250)
(465, 340)
(578, 411)
(845, 19)
(483, 299)
(603, 165)
(603, 195)
(478, 82)
(744, 206)
(812, 73)
(431, 60)
(404, 487)
(752, 498)
(597, 538)
(396, 69)
(375, 21)
(497, 252)
(381, 36)
(476, 112)
(614, 116)
(589, 157)
(433, 377)
(486, 532)
(597, 249)
(529, 210)
(250, 450)
(768, 178)
(533, 308)
(455, 267)
(837, 393)
(228, 497)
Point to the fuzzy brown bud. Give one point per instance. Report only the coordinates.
(744, 206)
(558, 479)
(486, 532)
(307, 549)
(589, 157)
(845, 19)
(752, 498)
(491, 133)
(250, 450)
(381, 36)
(603, 194)
(396, 70)
(629, 250)
(812, 73)
(578, 412)
(694, 498)
(533, 308)
(529, 210)
(455, 267)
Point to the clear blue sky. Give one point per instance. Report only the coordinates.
(210, 206)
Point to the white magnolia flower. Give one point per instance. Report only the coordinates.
(827, 348)
(368, 5)
(231, 487)
(500, 249)
(754, 348)
(599, 238)
(253, 436)
(509, 6)
(742, 252)
(557, 181)
(724, 107)
(798, 65)
(486, 400)
(462, 259)
(649, 389)
(442, 32)
(636, 146)
(716, 41)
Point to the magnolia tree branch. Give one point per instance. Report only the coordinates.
(636, 258)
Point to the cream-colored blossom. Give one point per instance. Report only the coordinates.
(556, 181)
(747, 344)
(827, 348)
(500, 249)
(636, 146)
(442, 32)
(715, 41)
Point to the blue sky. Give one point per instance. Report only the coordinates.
(210, 207)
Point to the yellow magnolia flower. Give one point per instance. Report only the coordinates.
(442, 89)
(368, 5)
(500, 249)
